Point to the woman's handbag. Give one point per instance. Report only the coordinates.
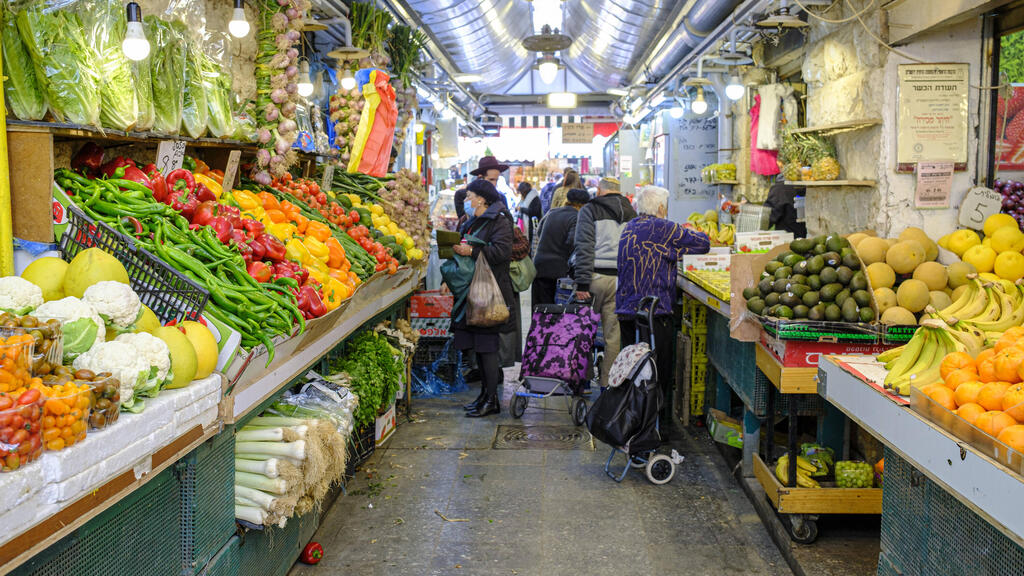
(521, 269)
(485, 306)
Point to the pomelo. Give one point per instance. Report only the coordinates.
(48, 274)
(89, 267)
(205, 346)
(183, 355)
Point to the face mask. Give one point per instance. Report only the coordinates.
(467, 206)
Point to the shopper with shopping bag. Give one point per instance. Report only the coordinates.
(490, 293)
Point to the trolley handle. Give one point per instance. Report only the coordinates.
(645, 317)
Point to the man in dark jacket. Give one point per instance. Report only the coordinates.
(595, 258)
(557, 239)
(529, 208)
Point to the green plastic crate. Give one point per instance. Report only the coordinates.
(273, 551)
(206, 480)
(135, 537)
(225, 561)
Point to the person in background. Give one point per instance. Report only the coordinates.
(529, 208)
(572, 180)
(557, 237)
(491, 224)
(781, 199)
(548, 191)
(649, 251)
(592, 186)
(488, 168)
(595, 259)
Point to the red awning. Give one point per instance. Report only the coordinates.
(605, 128)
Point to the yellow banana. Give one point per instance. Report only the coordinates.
(965, 299)
(802, 463)
(890, 354)
(911, 351)
(805, 481)
(1012, 316)
(993, 308)
(926, 369)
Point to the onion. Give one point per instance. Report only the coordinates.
(279, 61)
(293, 35)
(264, 135)
(262, 157)
(292, 13)
(275, 160)
(282, 2)
(291, 71)
(279, 22)
(282, 145)
(262, 177)
(292, 53)
(281, 42)
(279, 96)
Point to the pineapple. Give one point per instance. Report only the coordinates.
(825, 168)
(821, 155)
(790, 154)
(791, 170)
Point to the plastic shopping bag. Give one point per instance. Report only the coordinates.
(371, 147)
(485, 306)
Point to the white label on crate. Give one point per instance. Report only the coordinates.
(231, 170)
(325, 185)
(169, 155)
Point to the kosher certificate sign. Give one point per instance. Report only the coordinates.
(932, 113)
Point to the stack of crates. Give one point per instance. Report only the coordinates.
(696, 330)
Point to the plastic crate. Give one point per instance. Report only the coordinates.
(167, 292)
(697, 313)
(225, 562)
(700, 346)
(360, 448)
(696, 402)
(206, 480)
(428, 350)
(138, 536)
(273, 551)
(698, 376)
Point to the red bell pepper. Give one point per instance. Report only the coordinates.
(204, 213)
(312, 553)
(204, 194)
(257, 250)
(232, 213)
(259, 271)
(156, 182)
(222, 228)
(121, 161)
(181, 179)
(182, 202)
(88, 159)
(315, 306)
(240, 238)
(273, 248)
(253, 227)
(284, 269)
(135, 175)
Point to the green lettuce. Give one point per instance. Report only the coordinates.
(21, 88)
(167, 74)
(79, 336)
(63, 62)
(194, 112)
(217, 82)
(105, 28)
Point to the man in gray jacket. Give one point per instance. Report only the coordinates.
(596, 254)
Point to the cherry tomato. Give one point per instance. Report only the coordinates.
(29, 397)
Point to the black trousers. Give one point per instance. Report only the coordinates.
(543, 290)
(491, 374)
(663, 348)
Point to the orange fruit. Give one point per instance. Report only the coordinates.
(991, 395)
(942, 395)
(1007, 363)
(958, 377)
(983, 356)
(987, 371)
(1004, 343)
(1015, 333)
(967, 393)
(993, 422)
(970, 412)
(956, 361)
(1013, 402)
(1013, 436)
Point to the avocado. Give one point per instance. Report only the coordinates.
(830, 291)
(862, 298)
(844, 274)
(770, 311)
(845, 251)
(817, 312)
(811, 298)
(798, 279)
(766, 275)
(782, 257)
(800, 311)
(789, 299)
(815, 264)
(765, 287)
(800, 267)
(755, 305)
(781, 285)
(829, 275)
(784, 312)
(833, 259)
(814, 282)
(772, 299)
(792, 259)
(820, 239)
(849, 311)
(851, 261)
(819, 249)
(783, 272)
(772, 266)
(801, 245)
(836, 243)
(867, 314)
(843, 296)
(859, 281)
(749, 293)
(799, 290)
(833, 313)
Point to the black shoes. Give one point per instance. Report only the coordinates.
(476, 403)
(489, 406)
(472, 376)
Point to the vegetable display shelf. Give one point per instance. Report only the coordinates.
(55, 496)
(77, 132)
(705, 297)
(831, 183)
(983, 485)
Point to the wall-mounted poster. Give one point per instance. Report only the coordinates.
(932, 108)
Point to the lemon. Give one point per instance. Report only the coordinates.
(983, 258)
(1007, 239)
(997, 221)
(961, 240)
(1010, 266)
(943, 242)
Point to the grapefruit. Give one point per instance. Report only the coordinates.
(89, 267)
(48, 274)
(148, 322)
(205, 346)
(183, 355)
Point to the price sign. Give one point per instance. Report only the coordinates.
(577, 132)
(979, 203)
(231, 170)
(328, 178)
(169, 155)
(712, 302)
(934, 183)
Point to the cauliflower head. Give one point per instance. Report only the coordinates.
(155, 352)
(123, 363)
(19, 296)
(116, 303)
(81, 326)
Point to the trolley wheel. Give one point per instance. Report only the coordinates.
(802, 530)
(579, 411)
(660, 469)
(518, 406)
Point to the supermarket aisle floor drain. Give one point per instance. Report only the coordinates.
(510, 437)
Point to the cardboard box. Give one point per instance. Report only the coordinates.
(384, 426)
(431, 304)
(715, 262)
(725, 430)
(759, 242)
(801, 354)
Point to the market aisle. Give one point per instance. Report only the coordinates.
(534, 511)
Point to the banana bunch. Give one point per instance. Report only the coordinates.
(721, 235)
(727, 234)
(804, 468)
(992, 307)
(917, 362)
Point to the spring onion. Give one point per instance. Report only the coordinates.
(251, 514)
(294, 450)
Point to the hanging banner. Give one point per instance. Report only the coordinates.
(934, 184)
(932, 106)
(577, 132)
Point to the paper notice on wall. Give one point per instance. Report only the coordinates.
(932, 113)
(625, 166)
(577, 132)
(934, 184)
(170, 154)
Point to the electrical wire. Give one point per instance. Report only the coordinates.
(870, 5)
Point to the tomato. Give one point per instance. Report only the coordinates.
(29, 397)
(354, 216)
(12, 462)
(5, 402)
(6, 434)
(5, 419)
(18, 423)
(20, 437)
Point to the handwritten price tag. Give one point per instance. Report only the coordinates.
(231, 170)
(169, 155)
(328, 177)
(714, 303)
(979, 203)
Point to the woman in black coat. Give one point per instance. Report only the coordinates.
(491, 223)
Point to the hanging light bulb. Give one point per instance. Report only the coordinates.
(677, 110)
(547, 68)
(348, 81)
(699, 105)
(734, 90)
(238, 26)
(420, 127)
(304, 84)
(135, 46)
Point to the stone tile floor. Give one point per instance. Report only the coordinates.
(438, 500)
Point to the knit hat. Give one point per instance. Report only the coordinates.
(485, 190)
(577, 196)
(609, 184)
(524, 187)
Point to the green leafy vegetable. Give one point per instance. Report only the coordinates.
(144, 94)
(374, 371)
(194, 112)
(21, 88)
(63, 62)
(167, 68)
(217, 84)
(79, 336)
(105, 28)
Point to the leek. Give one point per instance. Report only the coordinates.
(261, 483)
(262, 499)
(251, 514)
(268, 468)
(294, 450)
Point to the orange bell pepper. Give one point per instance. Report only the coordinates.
(335, 251)
(217, 175)
(290, 209)
(318, 230)
(201, 167)
(269, 201)
(276, 216)
(301, 222)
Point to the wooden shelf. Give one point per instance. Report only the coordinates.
(78, 132)
(787, 379)
(824, 500)
(725, 182)
(840, 127)
(831, 183)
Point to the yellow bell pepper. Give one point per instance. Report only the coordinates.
(376, 209)
(317, 249)
(317, 274)
(209, 183)
(257, 213)
(283, 231)
(356, 200)
(296, 251)
(247, 200)
(333, 293)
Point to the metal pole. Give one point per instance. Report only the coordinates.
(6, 223)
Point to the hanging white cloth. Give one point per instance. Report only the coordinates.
(772, 96)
